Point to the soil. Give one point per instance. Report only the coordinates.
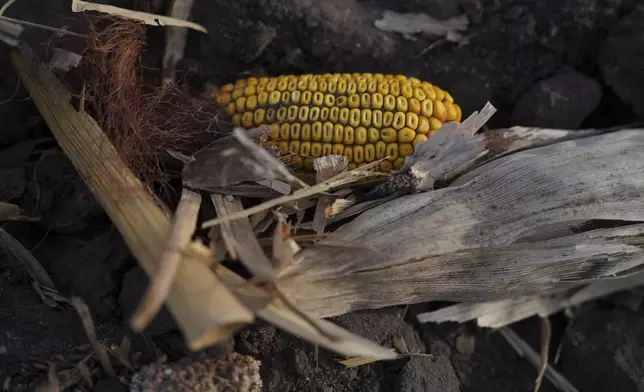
(521, 55)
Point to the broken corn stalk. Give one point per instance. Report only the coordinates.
(365, 117)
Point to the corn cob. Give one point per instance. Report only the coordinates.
(365, 117)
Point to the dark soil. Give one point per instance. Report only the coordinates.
(557, 63)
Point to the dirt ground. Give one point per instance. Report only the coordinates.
(558, 63)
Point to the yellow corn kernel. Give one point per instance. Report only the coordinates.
(302, 83)
(327, 132)
(305, 148)
(314, 113)
(258, 117)
(440, 94)
(365, 118)
(429, 91)
(275, 132)
(452, 113)
(338, 149)
(295, 131)
(292, 85)
(427, 108)
(237, 93)
(387, 119)
(274, 98)
(294, 147)
(419, 94)
(373, 135)
(271, 85)
(411, 120)
(388, 135)
(342, 85)
(385, 166)
(223, 99)
(323, 85)
(306, 132)
(285, 131)
(283, 146)
(419, 139)
(398, 163)
(292, 113)
(407, 90)
(372, 86)
(399, 120)
(365, 101)
(281, 114)
(252, 81)
(298, 162)
(329, 100)
(392, 151)
(394, 89)
(376, 118)
(360, 135)
(348, 152)
(331, 114)
(313, 85)
(354, 101)
(251, 102)
(440, 112)
(308, 164)
(338, 133)
(354, 117)
(240, 104)
(369, 153)
(343, 117)
(247, 120)
(333, 85)
(271, 113)
(390, 102)
(377, 101)
(383, 88)
(286, 98)
(250, 90)
(401, 104)
(303, 113)
(230, 109)
(327, 149)
(435, 123)
(262, 99)
(227, 88)
(406, 135)
(236, 119)
(349, 135)
(405, 149)
(358, 154)
(295, 97)
(414, 105)
(318, 98)
(316, 131)
(316, 150)
(305, 98)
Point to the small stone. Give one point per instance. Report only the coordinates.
(621, 60)
(562, 101)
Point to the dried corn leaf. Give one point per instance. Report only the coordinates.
(182, 228)
(147, 18)
(240, 239)
(33, 268)
(8, 211)
(132, 209)
(456, 243)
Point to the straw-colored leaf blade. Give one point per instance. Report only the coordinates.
(204, 308)
(145, 17)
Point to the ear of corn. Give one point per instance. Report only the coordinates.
(364, 117)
